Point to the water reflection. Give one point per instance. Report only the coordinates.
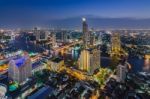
(146, 66)
(75, 55)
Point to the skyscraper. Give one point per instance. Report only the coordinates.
(20, 68)
(40, 34)
(115, 44)
(84, 60)
(89, 60)
(36, 33)
(92, 37)
(94, 60)
(53, 39)
(115, 51)
(122, 70)
(64, 36)
(85, 32)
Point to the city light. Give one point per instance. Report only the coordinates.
(74, 49)
(83, 19)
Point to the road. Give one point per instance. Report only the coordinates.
(67, 46)
(76, 73)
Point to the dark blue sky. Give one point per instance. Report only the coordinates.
(24, 11)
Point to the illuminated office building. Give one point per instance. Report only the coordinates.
(84, 60)
(89, 60)
(36, 33)
(20, 68)
(122, 70)
(40, 34)
(92, 37)
(54, 40)
(64, 36)
(115, 44)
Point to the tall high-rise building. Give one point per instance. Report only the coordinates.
(53, 39)
(115, 44)
(20, 68)
(84, 60)
(89, 60)
(64, 36)
(92, 37)
(36, 33)
(99, 41)
(85, 32)
(94, 60)
(122, 70)
(40, 34)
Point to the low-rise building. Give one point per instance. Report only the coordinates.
(42, 93)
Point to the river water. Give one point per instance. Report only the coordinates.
(137, 64)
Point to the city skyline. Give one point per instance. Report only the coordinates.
(59, 63)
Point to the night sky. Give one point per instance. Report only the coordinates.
(30, 11)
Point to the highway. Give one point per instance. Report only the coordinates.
(58, 49)
(76, 73)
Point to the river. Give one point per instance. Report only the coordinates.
(136, 63)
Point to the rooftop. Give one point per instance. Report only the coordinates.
(36, 64)
(20, 61)
(42, 93)
(3, 90)
(57, 60)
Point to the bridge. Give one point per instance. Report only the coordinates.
(63, 49)
(76, 73)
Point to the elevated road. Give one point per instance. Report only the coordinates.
(76, 73)
(66, 46)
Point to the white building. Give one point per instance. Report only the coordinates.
(122, 70)
(20, 68)
(3, 90)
